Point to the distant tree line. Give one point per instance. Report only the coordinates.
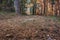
(18, 6)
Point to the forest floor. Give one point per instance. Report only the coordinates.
(34, 27)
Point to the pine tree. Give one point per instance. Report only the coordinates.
(17, 6)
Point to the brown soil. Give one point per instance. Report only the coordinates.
(29, 28)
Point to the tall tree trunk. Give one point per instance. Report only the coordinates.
(0, 1)
(17, 6)
(56, 8)
(45, 7)
(0, 4)
(59, 7)
(53, 7)
(34, 7)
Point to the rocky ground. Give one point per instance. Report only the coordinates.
(29, 28)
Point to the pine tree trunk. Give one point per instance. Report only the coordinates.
(45, 7)
(59, 7)
(0, 1)
(16, 5)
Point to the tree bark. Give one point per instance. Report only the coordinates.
(17, 6)
(59, 7)
(0, 1)
(45, 6)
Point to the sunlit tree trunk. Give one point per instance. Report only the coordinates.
(42, 7)
(46, 7)
(16, 5)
